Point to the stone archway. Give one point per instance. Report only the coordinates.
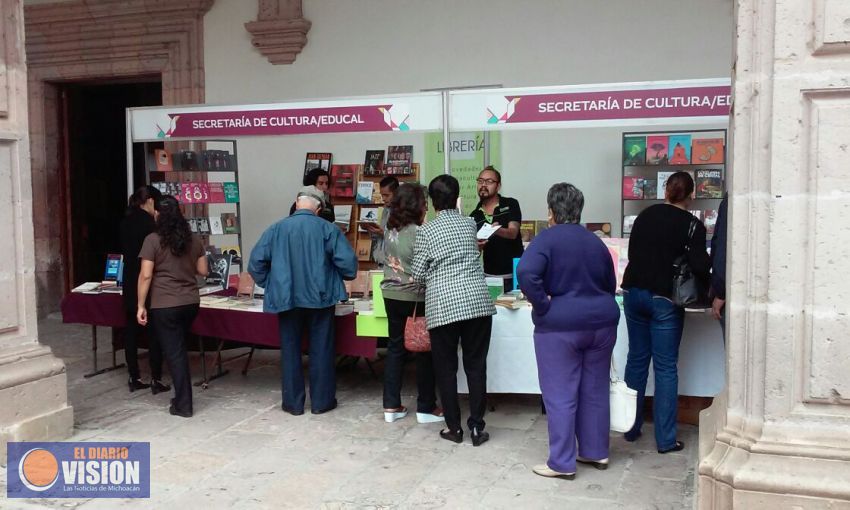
(97, 39)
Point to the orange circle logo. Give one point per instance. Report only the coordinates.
(38, 469)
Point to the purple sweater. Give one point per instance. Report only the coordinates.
(573, 266)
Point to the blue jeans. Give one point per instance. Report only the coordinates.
(320, 325)
(655, 331)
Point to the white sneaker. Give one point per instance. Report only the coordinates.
(391, 416)
(601, 464)
(433, 417)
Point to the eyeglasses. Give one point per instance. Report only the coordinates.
(488, 182)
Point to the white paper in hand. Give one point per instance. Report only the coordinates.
(486, 231)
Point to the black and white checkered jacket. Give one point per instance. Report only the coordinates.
(445, 259)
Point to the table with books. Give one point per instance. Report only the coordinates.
(229, 321)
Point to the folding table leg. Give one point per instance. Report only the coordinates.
(248, 362)
(95, 371)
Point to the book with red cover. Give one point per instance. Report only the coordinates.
(632, 188)
(342, 180)
(710, 219)
(216, 192)
(707, 151)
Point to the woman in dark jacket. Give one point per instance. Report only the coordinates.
(568, 276)
(320, 179)
(135, 227)
(171, 257)
(659, 236)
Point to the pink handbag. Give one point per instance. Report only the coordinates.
(416, 337)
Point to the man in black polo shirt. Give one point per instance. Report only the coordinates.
(505, 244)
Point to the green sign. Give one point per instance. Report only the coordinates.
(467, 152)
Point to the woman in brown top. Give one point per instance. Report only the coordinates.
(171, 258)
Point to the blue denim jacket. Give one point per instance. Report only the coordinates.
(301, 262)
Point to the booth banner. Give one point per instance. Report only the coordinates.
(468, 153)
(382, 114)
(646, 103)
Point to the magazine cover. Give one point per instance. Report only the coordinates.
(708, 183)
(707, 151)
(634, 150)
(317, 160)
(680, 149)
(342, 180)
(374, 164)
(656, 150)
(632, 188)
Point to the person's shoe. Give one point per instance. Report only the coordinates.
(453, 436)
(679, 446)
(158, 387)
(323, 411)
(434, 416)
(137, 384)
(479, 438)
(392, 415)
(632, 436)
(293, 412)
(601, 464)
(544, 470)
(174, 412)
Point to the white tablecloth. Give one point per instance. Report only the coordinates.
(512, 367)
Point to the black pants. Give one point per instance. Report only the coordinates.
(397, 314)
(474, 338)
(169, 327)
(132, 331)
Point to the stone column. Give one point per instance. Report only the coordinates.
(33, 387)
(780, 435)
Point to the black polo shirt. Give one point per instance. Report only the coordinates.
(499, 253)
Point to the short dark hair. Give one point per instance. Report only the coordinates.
(312, 177)
(566, 202)
(679, 187)
(444, 190)
(142, 195)
(491, 168)
(407, 206)
(389, 182)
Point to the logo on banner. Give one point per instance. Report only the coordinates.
(166, 125)
(500, 109)
(78, 470)
(396, 117)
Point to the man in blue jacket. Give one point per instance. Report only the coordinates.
(301, 262)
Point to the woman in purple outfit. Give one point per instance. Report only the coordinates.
(568, 276)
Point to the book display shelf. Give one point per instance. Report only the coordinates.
(650, 157)
(204, 177)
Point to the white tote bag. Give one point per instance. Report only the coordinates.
(623, 401)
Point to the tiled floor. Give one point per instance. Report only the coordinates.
(240, 451)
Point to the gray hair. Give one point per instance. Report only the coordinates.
(306, 201)
(566, 203)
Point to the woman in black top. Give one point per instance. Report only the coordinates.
(320, 179)
(659, 236)
(136, 225)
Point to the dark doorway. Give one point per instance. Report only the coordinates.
(96, 166)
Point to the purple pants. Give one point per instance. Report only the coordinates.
(573, 368)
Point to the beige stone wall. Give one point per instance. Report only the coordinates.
(33, 393)
(782, 436)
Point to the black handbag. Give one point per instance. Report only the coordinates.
(688, 290)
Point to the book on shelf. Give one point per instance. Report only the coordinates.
(234, 251)
(231, 192)
(708, 183)
(696, 213)
(215, 225)
(707, 151)
(650, 189)
(216, 192)
(365, 190)
(342, 180)
(230, 223)
(709, 218)
(527, 231)
(661, 183)
(364, 249)
(680, 149)
(376, 194)
(187, 161)
(219, 269)
(368, 214)
(399, 160)
(374, 164)
(163, 160)
(633, 188)
(343, 217)
(602, 230)
(656, 150)
(194, 193)
(215, 161)
(634, 150)
(317, 160)
(628, 223)
(205, 226)
(193, 225)
(540, 226)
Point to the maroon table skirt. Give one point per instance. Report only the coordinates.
(253, 328)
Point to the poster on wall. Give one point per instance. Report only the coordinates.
(317, 160)
(467, 160)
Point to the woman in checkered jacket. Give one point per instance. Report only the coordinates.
(458, 308)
